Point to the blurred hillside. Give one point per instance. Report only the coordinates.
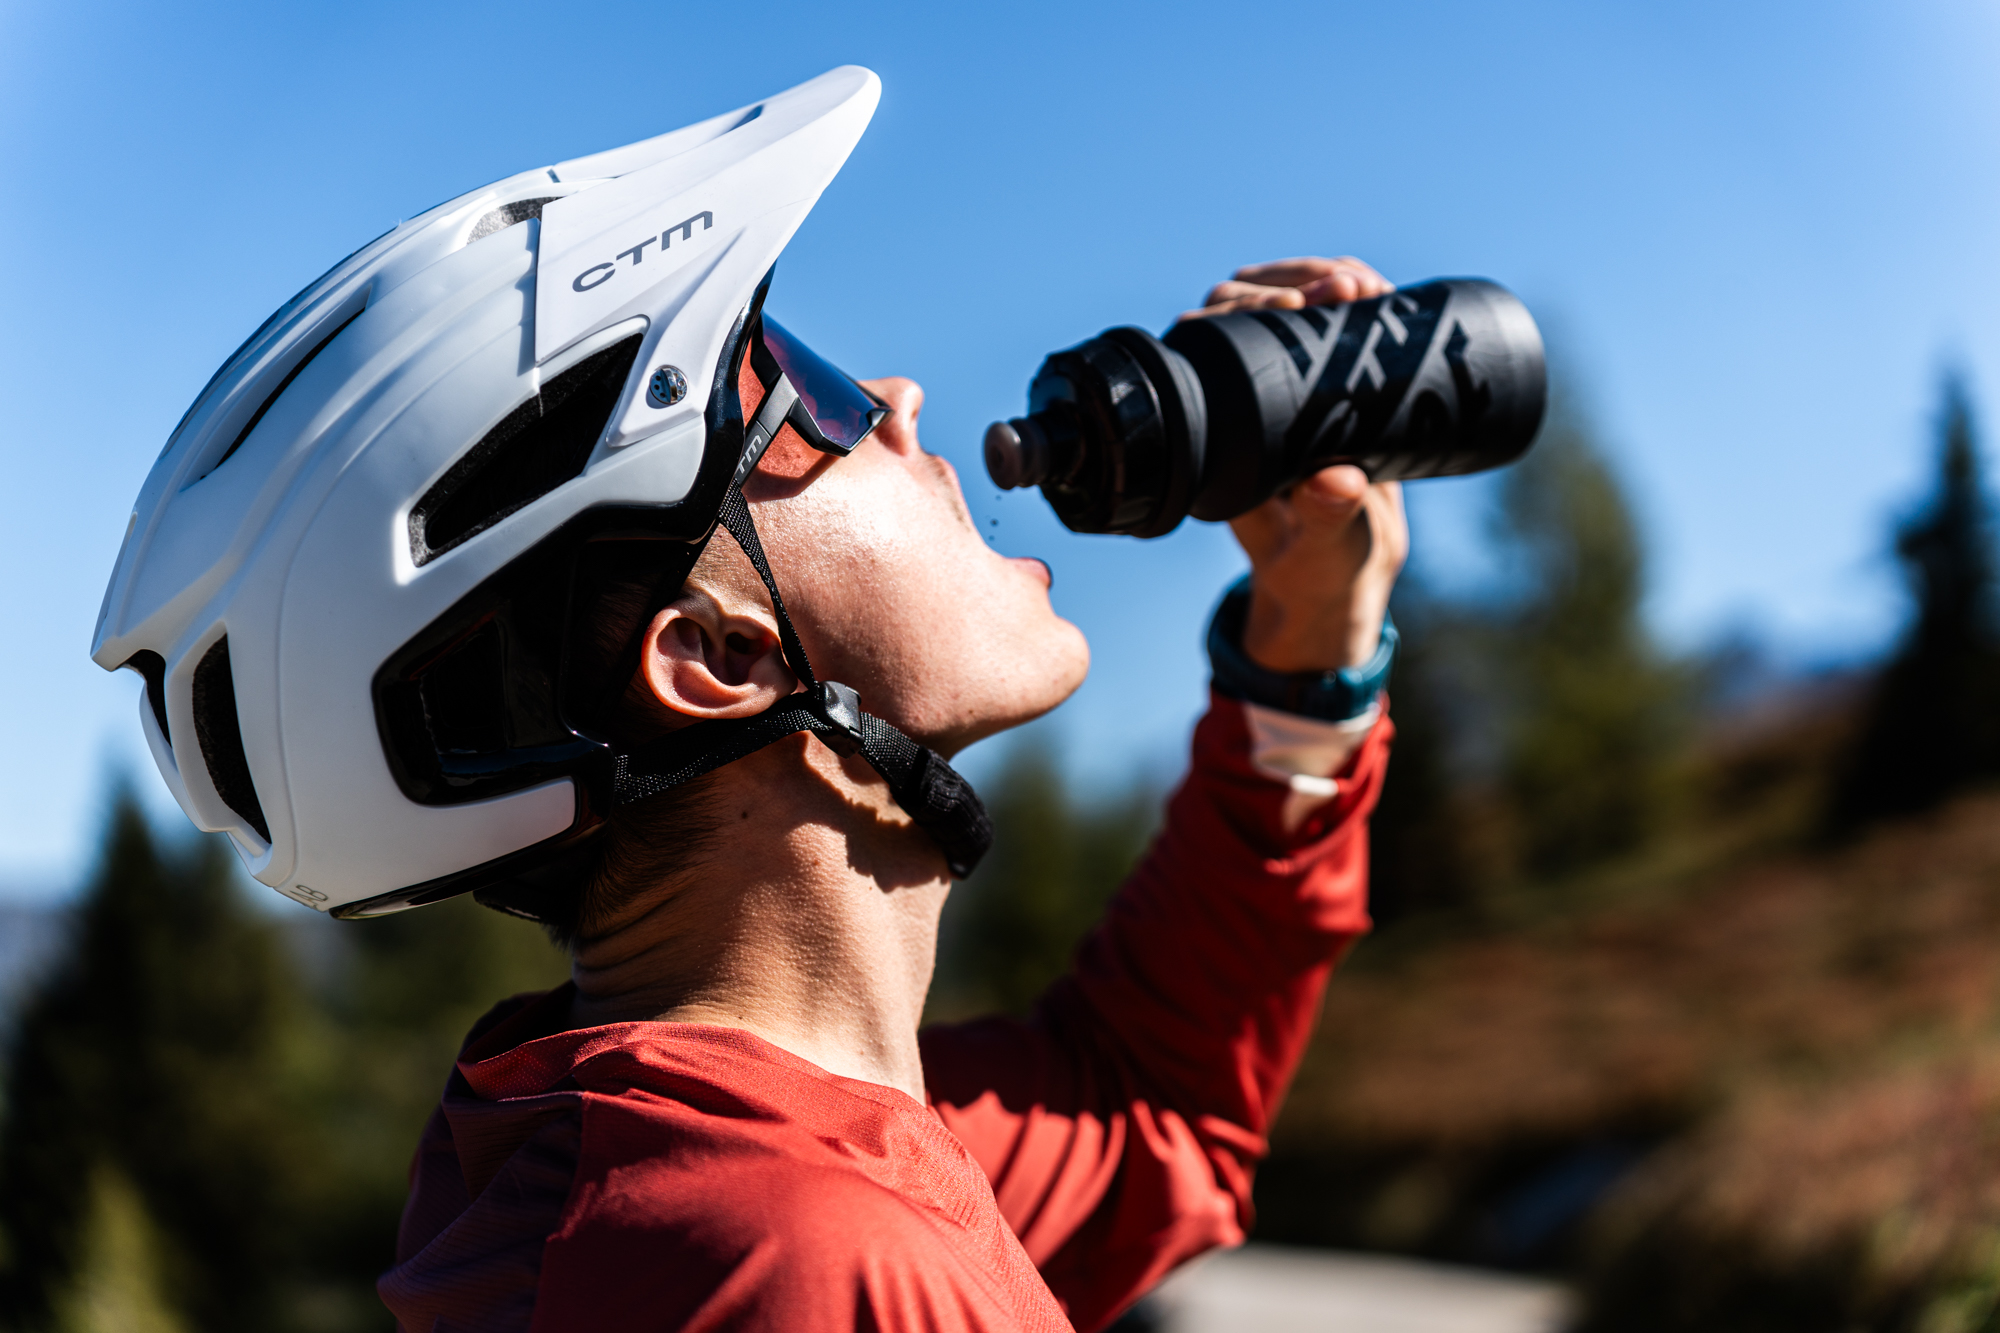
(1479, 1093)
(1764, 1096)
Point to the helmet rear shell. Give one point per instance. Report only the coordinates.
(278, 517)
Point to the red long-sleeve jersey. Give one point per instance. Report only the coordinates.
(679, 1176)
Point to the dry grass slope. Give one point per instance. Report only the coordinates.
(1786, 1075)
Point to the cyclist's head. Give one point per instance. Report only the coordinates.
(894, 592)
(357, 579)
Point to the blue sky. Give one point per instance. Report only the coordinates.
(1756, 233)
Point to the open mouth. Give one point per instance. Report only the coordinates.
(1040, 567)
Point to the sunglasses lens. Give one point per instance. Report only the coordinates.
(842, 411)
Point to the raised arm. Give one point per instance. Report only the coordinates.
(1121, 1124)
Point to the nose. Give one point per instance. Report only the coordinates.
(905, 399)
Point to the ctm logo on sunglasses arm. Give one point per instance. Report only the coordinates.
(599, 274)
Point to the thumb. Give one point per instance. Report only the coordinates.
(1333, 492)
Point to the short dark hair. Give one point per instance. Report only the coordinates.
(649, 842)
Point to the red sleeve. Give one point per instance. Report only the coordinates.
(1120, 1125)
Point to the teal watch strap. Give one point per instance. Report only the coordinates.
(1330, 696)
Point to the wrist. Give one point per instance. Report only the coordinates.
(1331, 694)
(1327, 638)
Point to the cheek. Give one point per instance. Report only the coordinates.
(896, 564)
(791, 459)
(899, 597)
(893, 577)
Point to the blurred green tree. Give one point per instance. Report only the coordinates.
(157, 1155)
(1590, 709)
(1057, 858)
(1933, 723)
(201, 1132)
(1417, 850)
(404, 991)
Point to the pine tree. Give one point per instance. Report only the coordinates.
(408, 988)
(1590, 707)
(149, 1107)
(1417, 853)
(1933, 722)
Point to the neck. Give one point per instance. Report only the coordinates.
(813, 924)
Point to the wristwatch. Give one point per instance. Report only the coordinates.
(1330, 696)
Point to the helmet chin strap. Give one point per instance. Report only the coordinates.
(941, 802)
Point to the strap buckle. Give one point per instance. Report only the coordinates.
(840, 708)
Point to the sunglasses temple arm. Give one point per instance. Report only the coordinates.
(778, 406)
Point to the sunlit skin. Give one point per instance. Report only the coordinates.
(815, 924)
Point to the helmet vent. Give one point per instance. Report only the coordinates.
(152, 668)
(221, 737)
(278, 392)
(508, 215)
(537, 447)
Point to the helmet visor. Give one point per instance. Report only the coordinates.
(841, 412)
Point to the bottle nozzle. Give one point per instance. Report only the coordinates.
(1017, 453)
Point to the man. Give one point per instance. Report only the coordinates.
(607, 720)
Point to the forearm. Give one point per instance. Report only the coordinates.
(1120, 1126)
(1208, 966)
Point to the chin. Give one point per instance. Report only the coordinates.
(1050, 668)
(1028, 679)
(1070, 663)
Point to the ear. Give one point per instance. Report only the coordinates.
(704, 662)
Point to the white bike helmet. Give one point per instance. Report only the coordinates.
(347, 581)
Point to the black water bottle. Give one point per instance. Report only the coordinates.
(1131, 433)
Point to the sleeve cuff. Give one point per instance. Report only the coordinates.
(1303, 752)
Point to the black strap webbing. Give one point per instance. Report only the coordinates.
(736, 517)
(941, 802)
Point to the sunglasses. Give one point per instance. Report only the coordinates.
(807, 392)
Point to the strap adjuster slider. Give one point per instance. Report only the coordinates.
(840, 708)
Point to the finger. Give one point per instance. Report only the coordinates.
(1332, 491)
(1393, 525)
(1288, 272)
(1389, 494)
(1351, 280)
(1248, 298)
(1310, 271)
(1267, 293)
(1335, 289)
(1245, 303)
